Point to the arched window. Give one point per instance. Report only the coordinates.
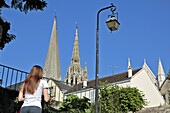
(71, 80)
(76, 80)
(73, 69)
(78, 70)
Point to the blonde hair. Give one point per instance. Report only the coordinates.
(31, 83)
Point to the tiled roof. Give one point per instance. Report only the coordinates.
(113, 78)
(166, 79)
(62, 85)
(109, 79)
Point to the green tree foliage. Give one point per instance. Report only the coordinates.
(6, 37)
(23, 6)
(91, 108)
(73, 104)
(115, 99)
(3, 4)
(28, 5)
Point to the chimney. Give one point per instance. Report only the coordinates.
(84, 82)
(129, 69)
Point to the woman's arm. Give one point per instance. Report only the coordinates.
(46, 95)
(20, 96)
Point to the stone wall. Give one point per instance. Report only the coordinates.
(159, 109)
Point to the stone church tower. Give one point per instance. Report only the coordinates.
(52, 62)
(75, 74)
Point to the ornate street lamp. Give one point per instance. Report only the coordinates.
(112, 24)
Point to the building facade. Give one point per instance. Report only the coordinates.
(143, 79)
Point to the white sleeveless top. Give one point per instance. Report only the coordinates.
(35, 99)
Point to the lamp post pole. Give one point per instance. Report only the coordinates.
(97, 57)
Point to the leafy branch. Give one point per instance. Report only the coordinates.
(23, 6)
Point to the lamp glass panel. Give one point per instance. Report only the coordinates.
(112, 25)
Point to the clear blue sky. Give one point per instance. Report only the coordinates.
(144, 32)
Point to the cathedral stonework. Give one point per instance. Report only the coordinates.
(76, 74)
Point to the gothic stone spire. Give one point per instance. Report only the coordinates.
(75, 56)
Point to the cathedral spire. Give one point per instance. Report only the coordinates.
(76, 74)
(75, 56)
(52, 63)
(160, 73)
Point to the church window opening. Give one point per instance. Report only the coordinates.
(71, 80)
(75, 60)
(73, 69)
(76, 80)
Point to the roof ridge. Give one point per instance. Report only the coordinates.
(115, 75)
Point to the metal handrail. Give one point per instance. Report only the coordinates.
(11, 78)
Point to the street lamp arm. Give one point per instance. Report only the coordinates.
(102, 10)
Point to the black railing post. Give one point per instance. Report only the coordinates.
(3, 74)
(11, 78)
(21, 77)
(7, 77)
(16, 79)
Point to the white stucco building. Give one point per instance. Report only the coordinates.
(143, 79)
